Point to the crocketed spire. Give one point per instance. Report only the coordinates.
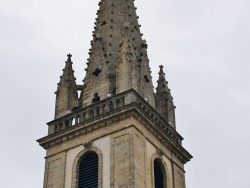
(66, 94)
(116, 22)
(164, 100)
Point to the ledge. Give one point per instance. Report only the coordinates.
(122, 105)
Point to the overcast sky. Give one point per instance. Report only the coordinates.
(204, 47)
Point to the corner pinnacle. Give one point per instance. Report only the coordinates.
(164, 100)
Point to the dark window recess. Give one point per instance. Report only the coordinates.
(97, 72)
(158, 174)
(75, 108)
(146, 78)
(113, 91)
(103, 23)
(88, 171)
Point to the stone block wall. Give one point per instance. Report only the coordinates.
(128, 148)
(55, 171)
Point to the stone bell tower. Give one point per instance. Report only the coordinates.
(117, 133)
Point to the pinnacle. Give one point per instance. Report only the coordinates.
(66, 94)
(68, 73)
(164, 100)
(161, 69)
(162, 83)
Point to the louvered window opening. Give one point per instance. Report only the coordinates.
(88, 171)
(158, 174)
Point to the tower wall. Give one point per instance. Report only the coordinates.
(115, 115)
(126, 150)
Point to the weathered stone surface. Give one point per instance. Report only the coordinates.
(117, 21)
(115, 115)
(66, 94)
(129, 163)
(55, 171)
(164, 100)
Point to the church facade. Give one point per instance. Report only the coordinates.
(117, 133)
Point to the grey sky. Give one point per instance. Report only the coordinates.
(203, 44)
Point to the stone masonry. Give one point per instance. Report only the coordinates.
(115, 25)
(164, 100)
(117, 115)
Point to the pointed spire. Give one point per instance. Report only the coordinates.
(116, 21)
(68, 73)
(66, 94)
(164, 100)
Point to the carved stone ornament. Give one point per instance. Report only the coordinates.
(160, 152)
(87, 145)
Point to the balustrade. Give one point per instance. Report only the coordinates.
(108, 105)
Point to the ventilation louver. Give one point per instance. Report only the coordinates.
(158, 173)
(88, 171)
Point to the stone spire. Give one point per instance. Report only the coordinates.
(116, 24)
(164, 100)
(66, 94)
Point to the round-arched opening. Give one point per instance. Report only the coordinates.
(88, 171)
(159, 174)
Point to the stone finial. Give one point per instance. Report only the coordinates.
(161, 68)
(69, 57)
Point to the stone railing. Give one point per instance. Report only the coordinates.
(110, 104)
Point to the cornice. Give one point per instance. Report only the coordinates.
(131, 110)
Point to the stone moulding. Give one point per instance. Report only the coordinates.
(74, 183)
(133, 106)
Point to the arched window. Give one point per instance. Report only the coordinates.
(88, 171)
(159, 174)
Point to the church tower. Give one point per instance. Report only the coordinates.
(118, 133)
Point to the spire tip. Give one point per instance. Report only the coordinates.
(69, 57)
